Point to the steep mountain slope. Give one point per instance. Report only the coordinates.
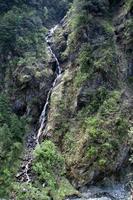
(88, 134)
(90, 115)
(26, 75)
(91, 109)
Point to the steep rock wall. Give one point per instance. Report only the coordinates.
(91, 108)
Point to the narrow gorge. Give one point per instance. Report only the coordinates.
(66, 100)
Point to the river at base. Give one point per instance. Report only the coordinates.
(106, 190)
(117, 192)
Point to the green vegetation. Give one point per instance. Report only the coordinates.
(111, 105)
(48, 164)
(22, 52)
(12, 130)
(21, 38)
(105, 139)
(80, 78)
(79, 20)
(85, 59)
(50, 181)
(128, 5)
(87, 115)
(89, 119)
(22, 31)
(96, 134)
(85, 65)
(27, 191)
(101, 60)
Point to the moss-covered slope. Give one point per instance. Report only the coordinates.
(91, 108)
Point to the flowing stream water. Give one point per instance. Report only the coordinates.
(116, 191)
(32, 139)
(43, 117)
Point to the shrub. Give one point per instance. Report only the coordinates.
(92, 152)
(85, 59)
(111, 105)
(28, 191)
(102, 162)
(48, 164)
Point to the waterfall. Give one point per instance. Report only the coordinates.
(23, 175)
(43, 116)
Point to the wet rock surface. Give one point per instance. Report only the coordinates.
(107, 70)
(115, 192)
(33, 139)
(25, 174)
(29, 99)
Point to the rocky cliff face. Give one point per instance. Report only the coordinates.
(27, 71)
(88, 133)
(91, 107)
(30, 87)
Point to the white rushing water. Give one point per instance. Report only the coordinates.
(43, 116)
(115, 192)
(26, 171)
(24, 174)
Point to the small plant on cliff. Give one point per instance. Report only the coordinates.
(85, 64)
(85, 59)
(111, 105)
(92, 152)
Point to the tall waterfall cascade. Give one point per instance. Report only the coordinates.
(24, 174)
(43, 117)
